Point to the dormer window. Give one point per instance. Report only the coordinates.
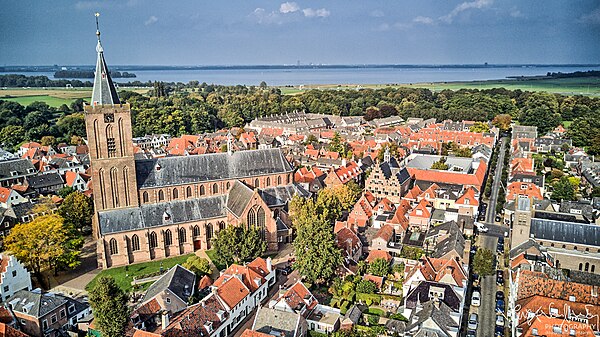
(14, 173)
(31, 170)
(166, 216)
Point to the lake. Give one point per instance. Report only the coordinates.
(317, 76)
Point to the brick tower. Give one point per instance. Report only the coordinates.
(108, 126)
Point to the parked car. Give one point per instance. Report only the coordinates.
(500, 248)
(499, 295)
(500, 277)
(286, 270)
(498, 218)
(473, 321)
(500, 320)
(500, 240)
(473, 249)
(471, 333)
(500, 306)
(481, 227)
(476, 299)
(499, 332)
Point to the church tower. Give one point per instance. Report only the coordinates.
(109, 135)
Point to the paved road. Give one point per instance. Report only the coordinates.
(491, 211)
(487, 310)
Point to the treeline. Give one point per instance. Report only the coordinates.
(589, 73)
(89, 74)
(196, 108)
(19, 81)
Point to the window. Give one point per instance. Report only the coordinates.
(182, 238)
(168, 300)
(6, 288)
(251, 221)
(188, 192)
(268, 181)
(53, 319)
(44, 324)
(221, 225)
(215, 188)
(196, 231)
(175, 193)
(135, 242)
(534, 331)
(261, 221)
(14, 273)
(587, 266)
(202, 192)
(168, 237)
(228, 185)
(71, 308)
(153, 240)
(593, 268)
(278, 180)
(62, 313)
(256, 183)
(209, 231)
(114, 249)
(580, 266)
(161, 195)
(145, 197)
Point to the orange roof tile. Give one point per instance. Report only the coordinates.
(378, 254)
(232, 291)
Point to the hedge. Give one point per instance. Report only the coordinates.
(373, 298)
(376, 311)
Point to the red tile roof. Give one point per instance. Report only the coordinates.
(251, 333)
(378, 280)
(469, 195)
(378, 254)
(7, 331)
(232, 291)
(522, 188)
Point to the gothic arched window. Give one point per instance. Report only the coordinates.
(202, 192)
(268, 181)
(261, 220)
(145, 197)
(256, 183)
(182, 238)
(278, 180)
(221, 225)
(215, 188)
(153, 240)
(135, 242)
(114, 249)
(168, 237)
(175, 193)
(251, 218)
(161, 195)
(188, 192)
(196, 231)
(209, 232)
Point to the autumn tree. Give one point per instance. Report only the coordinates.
(236, 244)
(502, 122)
(110, 307)
(43, 243)
(480, 127)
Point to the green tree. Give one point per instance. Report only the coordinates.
(110, 307)
(197, 265)
(77, 210)
(48, 140)
(263, 85)
(379, 267)
(329, 205)
(440, 165)
(12, 135)
(366, 287)
(541, 110)
(483, 262)
(338, 145)
(563, 190)
(480, 127)
(236, 244)
(65, 191)
(317, 254)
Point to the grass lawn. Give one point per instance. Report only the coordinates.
(124, 278)
(51, 101)
(54, 97)
(212, 255)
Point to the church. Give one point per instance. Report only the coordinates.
(149, 209)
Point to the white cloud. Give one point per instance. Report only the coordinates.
(516, 13)
(151, 20)
(289, 7)
(320, 13)
(424, 20)
(377, 13)
(477, 4)
(592, 17)
(264, 17)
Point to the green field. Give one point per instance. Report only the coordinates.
(589, 86)
(54, 97)
(124, 278)
(50, 100)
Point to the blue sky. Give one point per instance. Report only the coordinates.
(278, 32)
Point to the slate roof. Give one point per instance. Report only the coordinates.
(420, 294)
(34, 303)
(170, 171)
(21, 166)
(104, 91)
(440, 315)
(175, 280)
(280, 195)
(45, 180)
(153, 215)
(565, 231)
(239, 197)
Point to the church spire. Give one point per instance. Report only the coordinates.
(104, 92)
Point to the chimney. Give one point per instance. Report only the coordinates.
(165, 319)
(269, 265)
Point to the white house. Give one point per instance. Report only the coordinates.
(13, 276)
(9, 197)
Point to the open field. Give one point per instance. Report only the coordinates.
(589, 86)
(125, 277)
(54, 97)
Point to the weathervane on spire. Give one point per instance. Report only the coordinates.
(99, 48)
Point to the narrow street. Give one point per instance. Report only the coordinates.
(487, 310)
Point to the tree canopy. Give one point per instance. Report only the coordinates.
(109, 305)
(483, 262)
(77, 210)
(236, 244)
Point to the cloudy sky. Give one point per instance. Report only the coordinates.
(206, 32)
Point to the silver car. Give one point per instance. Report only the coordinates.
(473, 321)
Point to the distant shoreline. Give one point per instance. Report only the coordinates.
(42, 68)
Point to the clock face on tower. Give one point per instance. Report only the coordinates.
(109, 117)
